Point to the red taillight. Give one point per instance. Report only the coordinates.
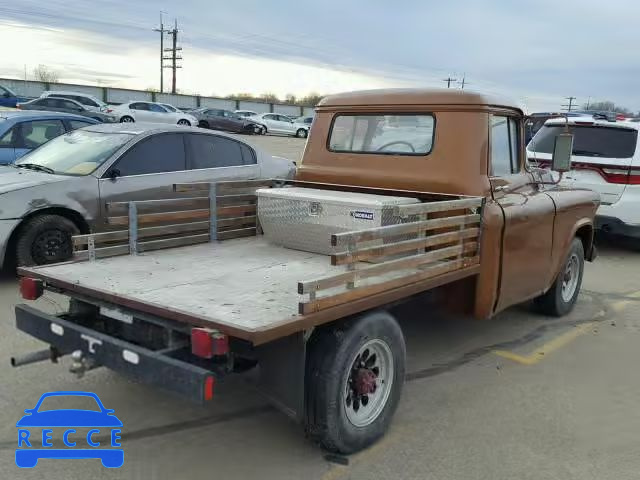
(615, 175)
(30, 288)
(109, 110)
(208, 343)
(208, 387)
(634, 177)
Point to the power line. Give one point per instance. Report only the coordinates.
(174, 55)
(464, 81)
(569, 105)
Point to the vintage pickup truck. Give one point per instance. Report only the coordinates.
(185, 291)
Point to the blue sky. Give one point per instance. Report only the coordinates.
(536, 51)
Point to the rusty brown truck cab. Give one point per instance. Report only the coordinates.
(476, 148)
(213, 292)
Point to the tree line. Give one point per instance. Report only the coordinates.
(308, 100)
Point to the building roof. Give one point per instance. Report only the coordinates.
(416, 96)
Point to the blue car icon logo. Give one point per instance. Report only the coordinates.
(63, 424)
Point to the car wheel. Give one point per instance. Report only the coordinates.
(561, 297)
(203, 124)
(45, 239)
(126, 119)
(354, 378)
(301, 133)
(184, 122)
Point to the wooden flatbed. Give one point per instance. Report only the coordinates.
(254, 290)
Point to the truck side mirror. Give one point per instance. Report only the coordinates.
(562, 149)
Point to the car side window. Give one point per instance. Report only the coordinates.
(78, 124)
(45, 102)
(37, 132)
(85, 101)
(514, 141)
(270, 117)
(8, 140)
(212, 151)
(69, 105)
(248, 155)
(156, 108)
(502, 162)
(158, 154)
(139, 106)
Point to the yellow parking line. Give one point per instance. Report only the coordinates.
(622, 304)
(548, 347)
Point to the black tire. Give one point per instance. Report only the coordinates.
(184, 122)
(301, 133)
(127, 119)
(332, 354)
(553, 302)
(45, 239)
(203, 124)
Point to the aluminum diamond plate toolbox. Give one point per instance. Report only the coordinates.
(305, 218)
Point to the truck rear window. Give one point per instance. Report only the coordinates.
(396, 134)
(589, 141)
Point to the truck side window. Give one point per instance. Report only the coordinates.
(504, 146)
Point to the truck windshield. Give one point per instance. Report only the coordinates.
(76, 153)
(589, 141)
(400, 134)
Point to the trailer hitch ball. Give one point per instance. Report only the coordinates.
(80, 364)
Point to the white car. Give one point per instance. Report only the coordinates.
(89, 101)
(606, 159)
(277, 123)
(245, 113)
(151, 112)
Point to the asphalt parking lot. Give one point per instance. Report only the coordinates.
(520, 396)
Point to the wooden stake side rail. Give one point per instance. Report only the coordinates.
(453, 245)
(166, 223)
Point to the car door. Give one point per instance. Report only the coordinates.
(71, 106)
(48, 104)
(159, 114)
(141, 111)
(216, 158)
(286, 124)
(34, 133)
(272, 123)
(216, 119)
(528, 215)
(6, 98)
(146, 171)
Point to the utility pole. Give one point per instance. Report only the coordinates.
(174, 55)
(570, 105)
(162, 32)
(464, 82)
(449, 80)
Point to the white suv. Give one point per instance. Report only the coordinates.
(606, 159)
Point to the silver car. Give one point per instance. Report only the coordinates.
(61, 188)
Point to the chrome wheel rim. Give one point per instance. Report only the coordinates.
(127, 120)
(183, 122)
(368, 383)
(570, 277)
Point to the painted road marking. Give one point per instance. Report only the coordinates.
(549, 347)
(567, 337)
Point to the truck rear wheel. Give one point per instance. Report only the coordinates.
(561, 297)
(355, 373)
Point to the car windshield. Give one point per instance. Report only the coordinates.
(589, 140)
(76, 153)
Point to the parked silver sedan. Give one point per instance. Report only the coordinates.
(60, 189)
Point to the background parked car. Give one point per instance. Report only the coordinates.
(245, 113)
(305, 120)
(21, 132)
(277, 123)
(606, 159)
(150, 112)
(59, 104)
(8, 98)
(80, 171)
(89, 101)
(220, 119)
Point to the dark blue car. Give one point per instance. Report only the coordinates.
(8, 98)
(102, 421)
(21, 132)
